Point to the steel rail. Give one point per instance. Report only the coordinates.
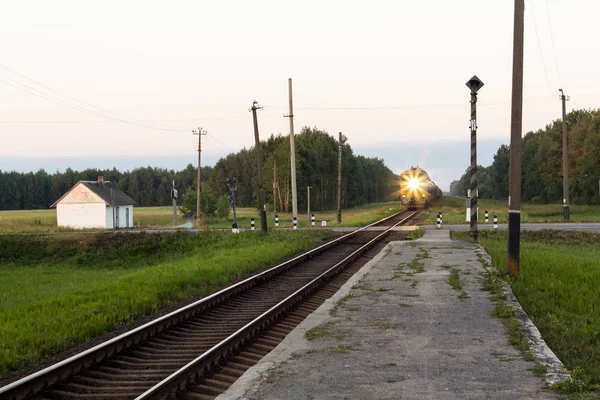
(48, 376)
(178, 381)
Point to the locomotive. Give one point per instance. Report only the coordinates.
(417, 190)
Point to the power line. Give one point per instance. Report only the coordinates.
(553, 48)
(71, 97)
(33, 91)
(540, 47)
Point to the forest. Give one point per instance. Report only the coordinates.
(365, 180)
(541, 169)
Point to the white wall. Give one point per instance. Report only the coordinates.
(73, 215)
(122, 214)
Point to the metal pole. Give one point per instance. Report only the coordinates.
(261, 189)
(339, 188)
(292, 152)
(474, 232)
(516, 126)
(565, 159)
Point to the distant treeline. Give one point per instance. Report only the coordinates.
(364, 179)
(541, 170)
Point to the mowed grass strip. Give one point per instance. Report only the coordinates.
(558, 287)
(453, 212)
(44, 221)
(68, 292)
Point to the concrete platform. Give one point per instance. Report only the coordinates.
(398, 330)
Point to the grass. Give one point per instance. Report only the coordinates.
(44, 221)
(340, 303)
(60, 291)
(558, 288)
(322, 330)
(454, 208)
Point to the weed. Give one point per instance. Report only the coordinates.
(353, 309)
(454, 279)
(414, 283)
(463, 295)
(318, 331)
(479, 339)
(577, 382)
(382, 324)
(385, 365)
(539, 369)
(340, 303)
(502, 311)
(416, 234)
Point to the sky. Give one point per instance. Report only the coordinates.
(123, 83)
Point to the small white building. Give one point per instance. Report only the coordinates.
(94, 204)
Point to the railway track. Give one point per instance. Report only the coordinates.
(198, 351)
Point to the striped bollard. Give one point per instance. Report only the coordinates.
(276, 221)
(312, 218)
(486, 217)
(441, 219)
(295, 223)
(438, 221)
(251, 224)
(495, 222)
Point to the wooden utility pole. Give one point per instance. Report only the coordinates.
(342, 140)
(200, 133)
(308, 203)
(261, 189)
(516, 128)
(565, 156)
(274, 187)
(292, 152)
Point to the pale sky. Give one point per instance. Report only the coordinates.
(385, 73)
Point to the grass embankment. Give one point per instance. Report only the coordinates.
(558, 287)
(44, 221)
(60, 291)
(453, 211)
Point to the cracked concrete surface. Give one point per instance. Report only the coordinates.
(404, 333)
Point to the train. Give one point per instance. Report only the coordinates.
(417, 190)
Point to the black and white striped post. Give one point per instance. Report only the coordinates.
(441, 219)
(312, 219)
(486, 217)
(295, 223)
(251, 224)
(439, 224)
(474, 84)
(276, 221)
(495, 222)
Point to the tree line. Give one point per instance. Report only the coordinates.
(541, 170)
(365, 180)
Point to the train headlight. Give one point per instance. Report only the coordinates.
(414, 183)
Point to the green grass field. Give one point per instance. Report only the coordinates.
(558, 287)
(44, 221)
(57, 291)
(453, 211)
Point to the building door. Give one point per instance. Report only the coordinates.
(126, 217)
(116, 217)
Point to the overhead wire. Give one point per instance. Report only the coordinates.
(33, 91)
(73, 98)
(553, 47)
(540, 47)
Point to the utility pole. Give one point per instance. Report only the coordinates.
(308, 203)
(516, 127)
(565, 156)
(261, 189)
(200, 133)
(274, 187)
(474, 84)
(292, 152)
(341, 142)
(174, 197)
